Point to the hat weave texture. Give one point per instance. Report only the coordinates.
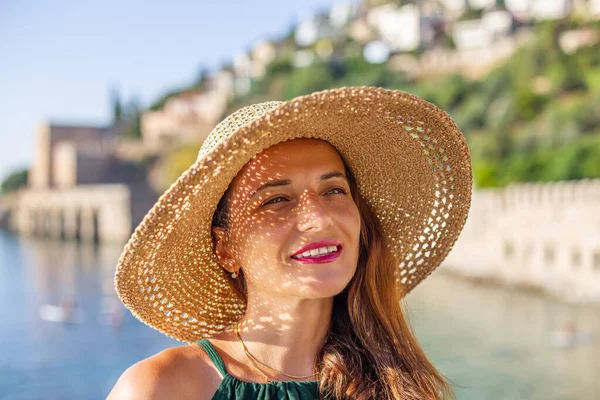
(410, 161)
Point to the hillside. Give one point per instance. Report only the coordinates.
(536, 117)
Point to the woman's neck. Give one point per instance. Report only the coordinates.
(286, 333)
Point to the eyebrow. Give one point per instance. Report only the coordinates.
(284, 182)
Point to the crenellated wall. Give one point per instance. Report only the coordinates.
(544, 235)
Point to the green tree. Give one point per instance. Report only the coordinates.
(117, 108)
(309, 79)
(178, 161)
(202, 77)
(14, 181)
(527, 103)
(131, 124)
(158, 104)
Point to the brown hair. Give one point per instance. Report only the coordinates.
(370, 351)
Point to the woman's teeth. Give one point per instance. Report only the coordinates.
(317, 252)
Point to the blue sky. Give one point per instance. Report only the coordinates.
(58, 59)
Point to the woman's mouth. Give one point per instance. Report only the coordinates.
(319, 255)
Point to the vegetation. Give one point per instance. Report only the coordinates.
(177, 162)
(14, 181)
(126, 117)
(534, 118)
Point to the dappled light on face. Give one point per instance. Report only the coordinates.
(289, 196)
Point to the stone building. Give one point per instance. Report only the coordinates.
(540, 9)
(184, 119)
(68, 155)
(190, 116)
(79, 188)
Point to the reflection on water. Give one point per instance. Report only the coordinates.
(500, 344)
(65, 335)
(80, 359)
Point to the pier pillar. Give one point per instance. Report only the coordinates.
(55, 223)
(114, 219)
(43, 223)
(38, 222)
(26, 220)
(87, 225)
(70, 226)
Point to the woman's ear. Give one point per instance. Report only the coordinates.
(222, 249)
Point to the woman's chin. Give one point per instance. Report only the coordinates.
(321, 286)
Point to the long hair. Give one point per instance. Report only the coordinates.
(370, 351)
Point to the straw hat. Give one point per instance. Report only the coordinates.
(410, 161)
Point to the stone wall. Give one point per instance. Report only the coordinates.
(543, 235)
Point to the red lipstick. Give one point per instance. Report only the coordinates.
(331, 255)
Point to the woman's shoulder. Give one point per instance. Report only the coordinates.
(178, 372)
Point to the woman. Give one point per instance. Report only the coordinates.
(282, 254)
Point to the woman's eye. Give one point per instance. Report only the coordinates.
(274, 200)
(337, 191)
(280, 199)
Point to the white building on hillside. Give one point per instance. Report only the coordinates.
(307, 32)
(594, 7)
(519, 8)
(482, 4)
(482, 32)
(243, 71)
(551, 9)
(455, 6)
(186, 118)
(221, 82)
(540, 9)
(400, 28)
(342, 13)
(498, 22)
(313, 28)
(361, 31)
(471, 34)
(264, 52)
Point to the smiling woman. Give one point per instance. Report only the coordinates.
(281, 256)
(293, 201)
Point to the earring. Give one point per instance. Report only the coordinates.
(234, 275)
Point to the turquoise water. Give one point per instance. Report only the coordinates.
(496, 343)
(493, 342)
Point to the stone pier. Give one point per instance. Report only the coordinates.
(86, 212)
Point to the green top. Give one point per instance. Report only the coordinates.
(233, 388)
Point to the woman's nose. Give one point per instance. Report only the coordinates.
(312, 213)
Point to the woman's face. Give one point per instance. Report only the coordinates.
(292, 198)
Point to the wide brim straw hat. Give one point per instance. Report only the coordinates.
(410, 161)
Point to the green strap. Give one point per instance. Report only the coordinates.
(213, 355)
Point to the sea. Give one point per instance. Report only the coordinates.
(490, 341)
